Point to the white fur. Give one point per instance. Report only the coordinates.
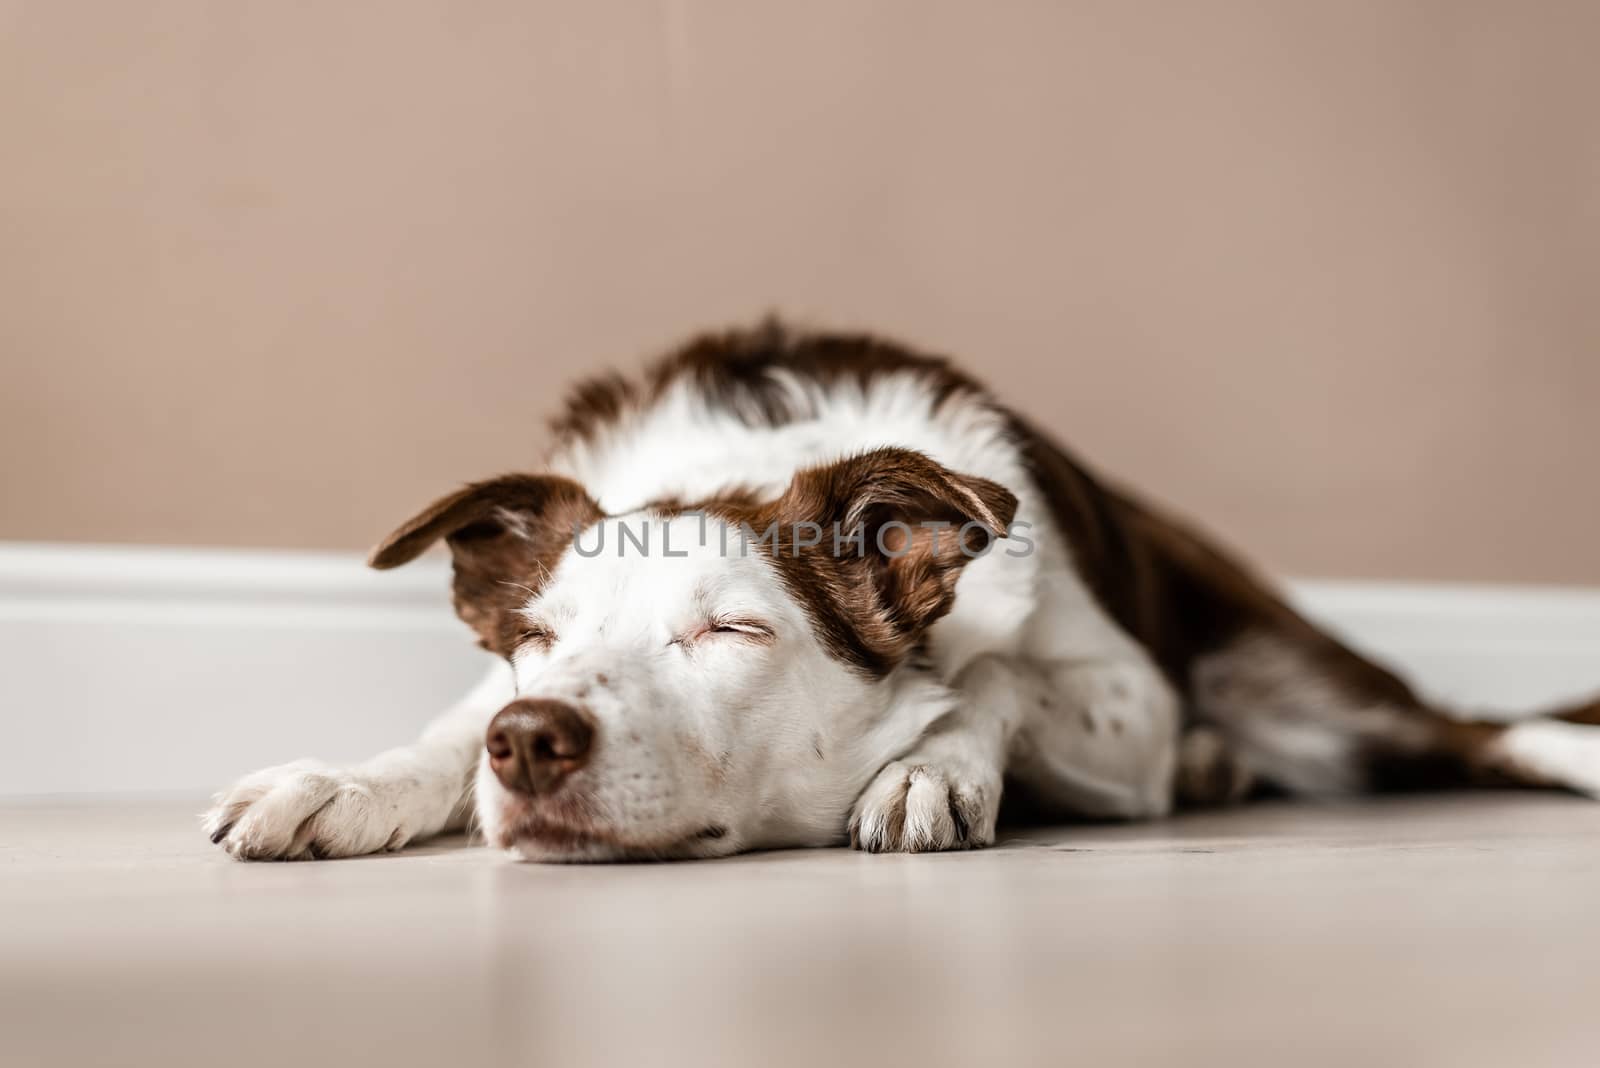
(770, 743)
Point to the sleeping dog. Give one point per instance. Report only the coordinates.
(802, 589)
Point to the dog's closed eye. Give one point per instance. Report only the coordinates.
(725, 628)
(538, 635)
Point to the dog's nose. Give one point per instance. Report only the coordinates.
(534, 744)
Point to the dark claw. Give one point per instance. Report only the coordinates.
(222, 832)
(961, 823)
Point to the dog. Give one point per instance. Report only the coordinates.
(795, 588)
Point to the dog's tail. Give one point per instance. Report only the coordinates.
(1586, 713)
(1559, 748)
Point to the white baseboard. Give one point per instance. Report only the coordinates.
(174, 670)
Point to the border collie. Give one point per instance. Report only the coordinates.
(803, 589)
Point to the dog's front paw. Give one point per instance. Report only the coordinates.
(915, 807)
(303, 810)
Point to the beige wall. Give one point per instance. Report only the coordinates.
(1326, 274)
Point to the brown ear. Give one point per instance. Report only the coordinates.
(504, 537)
(918, 524)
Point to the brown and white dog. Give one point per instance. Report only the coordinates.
(923, 600)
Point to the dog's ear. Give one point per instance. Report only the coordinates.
(897, 528)
(504, 535)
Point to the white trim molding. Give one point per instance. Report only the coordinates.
(174, 670)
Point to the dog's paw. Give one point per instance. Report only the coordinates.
(915, 807)
(305, 810)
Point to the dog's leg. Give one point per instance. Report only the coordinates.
(945, 793)
(1100, 739)
(1211, 772)
(1312, 717)
(308, 809)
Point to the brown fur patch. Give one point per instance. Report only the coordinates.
(871, 607)
(1170, 587)
(744, 371)
(592, 405)
(504, 534)
(739, 370)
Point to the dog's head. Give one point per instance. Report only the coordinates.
(694, 680)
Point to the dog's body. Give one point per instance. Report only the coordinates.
(678, 693)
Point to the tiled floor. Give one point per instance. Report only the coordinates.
(1452, 931)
